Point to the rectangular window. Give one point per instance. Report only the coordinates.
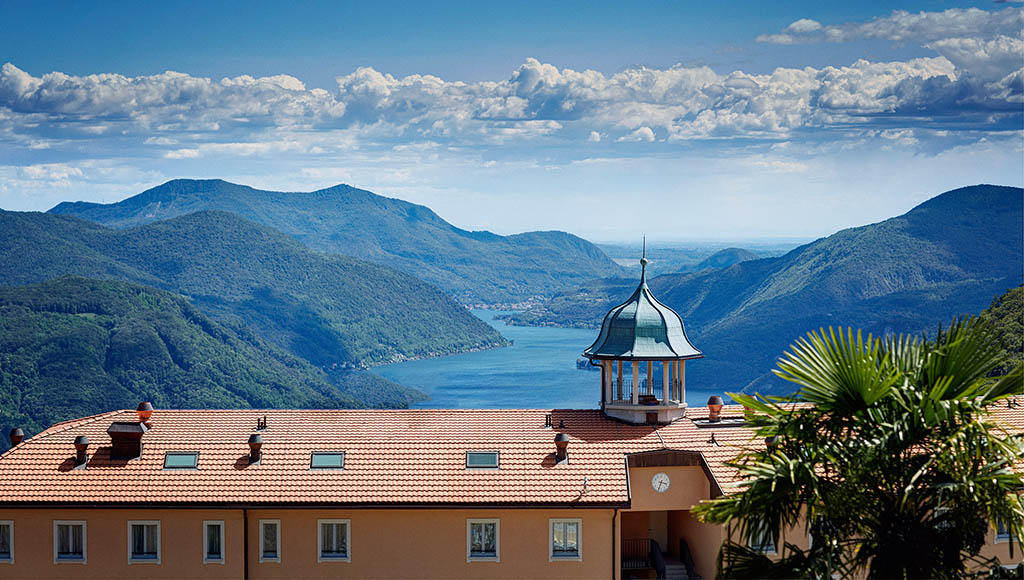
(270, 540)
(144, 542)
(333, 537)
(564, 539)
(181, 460)
(327, 460)
(482, 459)
(213, 542)
(761, 541)
(69, 541)
(6, 542)
(483, 539)
(1002, 532)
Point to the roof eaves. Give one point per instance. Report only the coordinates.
(62, 427)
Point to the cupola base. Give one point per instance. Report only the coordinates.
(645, 414)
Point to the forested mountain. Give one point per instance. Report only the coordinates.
(1006, 315)
(948, 256)
(333, 311)
(475, 267)
(74, 346)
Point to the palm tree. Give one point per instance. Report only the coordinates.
(887, 456)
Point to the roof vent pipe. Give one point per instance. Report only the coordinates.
(145, 411)
(16, 435)
(81, 450)
(255, 448)
(561, 447)
(715, 405)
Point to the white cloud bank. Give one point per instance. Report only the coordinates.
(974, 82)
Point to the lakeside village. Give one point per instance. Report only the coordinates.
(480, 493)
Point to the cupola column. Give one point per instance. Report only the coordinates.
(635, 398)
(606, 378)
(666, 372)
(682, 380)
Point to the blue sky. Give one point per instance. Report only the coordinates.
(675, 119)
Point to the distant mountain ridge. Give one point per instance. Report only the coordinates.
(475, 267)
(949, 255)
(725, 258)
(333, 311)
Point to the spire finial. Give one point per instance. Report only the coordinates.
(643, 262)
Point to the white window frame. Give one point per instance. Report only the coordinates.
(11, 524)
(223, 549)
(85, 541)
(579, 540)
(319, 541)
(278, 537)
(159, 549)
(469, 540)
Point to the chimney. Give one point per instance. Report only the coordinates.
(255, 446)
(145, 411)
(715, 405)
(126, 439)
(561, 447)
(16, 435)
(81, 450)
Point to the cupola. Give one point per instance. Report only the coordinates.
(642, 350)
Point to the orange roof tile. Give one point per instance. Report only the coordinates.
(391, 457)
(405, 456)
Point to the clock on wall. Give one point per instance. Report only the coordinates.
(660, 482)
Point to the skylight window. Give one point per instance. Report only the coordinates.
(327, 460)
(181, 460)
(482, 459)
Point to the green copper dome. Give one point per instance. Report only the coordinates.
(642, 328)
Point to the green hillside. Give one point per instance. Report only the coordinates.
(74, 346)
(725, 258)
(475, 267)
(948, 256)
(332, 310)
(1006, 315)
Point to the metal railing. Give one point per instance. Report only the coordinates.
(622, 391)
(636, 554)
(642, 553)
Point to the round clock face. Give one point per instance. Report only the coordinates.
(660, 482)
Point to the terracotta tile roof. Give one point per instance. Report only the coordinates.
(391, 457)
(407, 456)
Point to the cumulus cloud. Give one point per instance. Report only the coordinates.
(643, 134)
(905, 26)
(975, 84)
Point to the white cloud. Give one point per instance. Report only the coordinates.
(644, 134)
(58, 173)
(594, 137)
(903, 26)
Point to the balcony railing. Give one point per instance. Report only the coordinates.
(648, 392)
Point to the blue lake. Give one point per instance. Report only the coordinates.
(537, 372)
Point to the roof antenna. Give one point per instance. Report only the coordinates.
(643, 262)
